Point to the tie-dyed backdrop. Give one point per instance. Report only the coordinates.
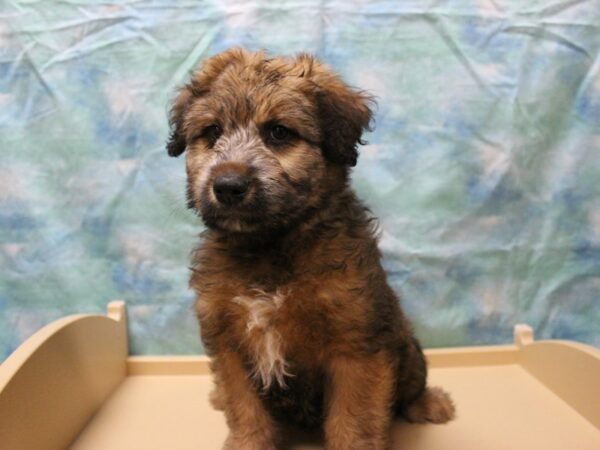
(484, 167)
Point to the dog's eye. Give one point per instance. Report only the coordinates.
(211, 133)
(278, 134)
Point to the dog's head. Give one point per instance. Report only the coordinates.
(267, 139)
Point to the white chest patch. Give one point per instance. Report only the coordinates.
(265, 341)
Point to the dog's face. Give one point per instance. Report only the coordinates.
(267, 139)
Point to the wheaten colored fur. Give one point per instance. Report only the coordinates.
(294, 307)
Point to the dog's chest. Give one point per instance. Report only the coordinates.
(281, 319)
(263, 316)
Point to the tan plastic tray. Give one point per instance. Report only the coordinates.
(72, 385)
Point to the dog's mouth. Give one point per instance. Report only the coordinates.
(244, 205)
(230, 219)
(236, 208)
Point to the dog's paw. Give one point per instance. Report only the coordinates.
(433, 406)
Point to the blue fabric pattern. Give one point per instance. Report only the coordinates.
(484, 167)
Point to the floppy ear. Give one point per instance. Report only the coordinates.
(344, 113)
(199, 85)
(177, 141)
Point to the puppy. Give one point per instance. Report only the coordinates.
(294, 307)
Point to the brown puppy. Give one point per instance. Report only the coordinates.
(293, 303)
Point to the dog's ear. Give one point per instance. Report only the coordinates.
(198, 86)
(344, 113)
(177, 141)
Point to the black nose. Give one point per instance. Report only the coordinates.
(231, 188)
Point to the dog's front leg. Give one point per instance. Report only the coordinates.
(250, 426)
(359, 397)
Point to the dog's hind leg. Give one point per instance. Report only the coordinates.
(417, 402)
(434, 405)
